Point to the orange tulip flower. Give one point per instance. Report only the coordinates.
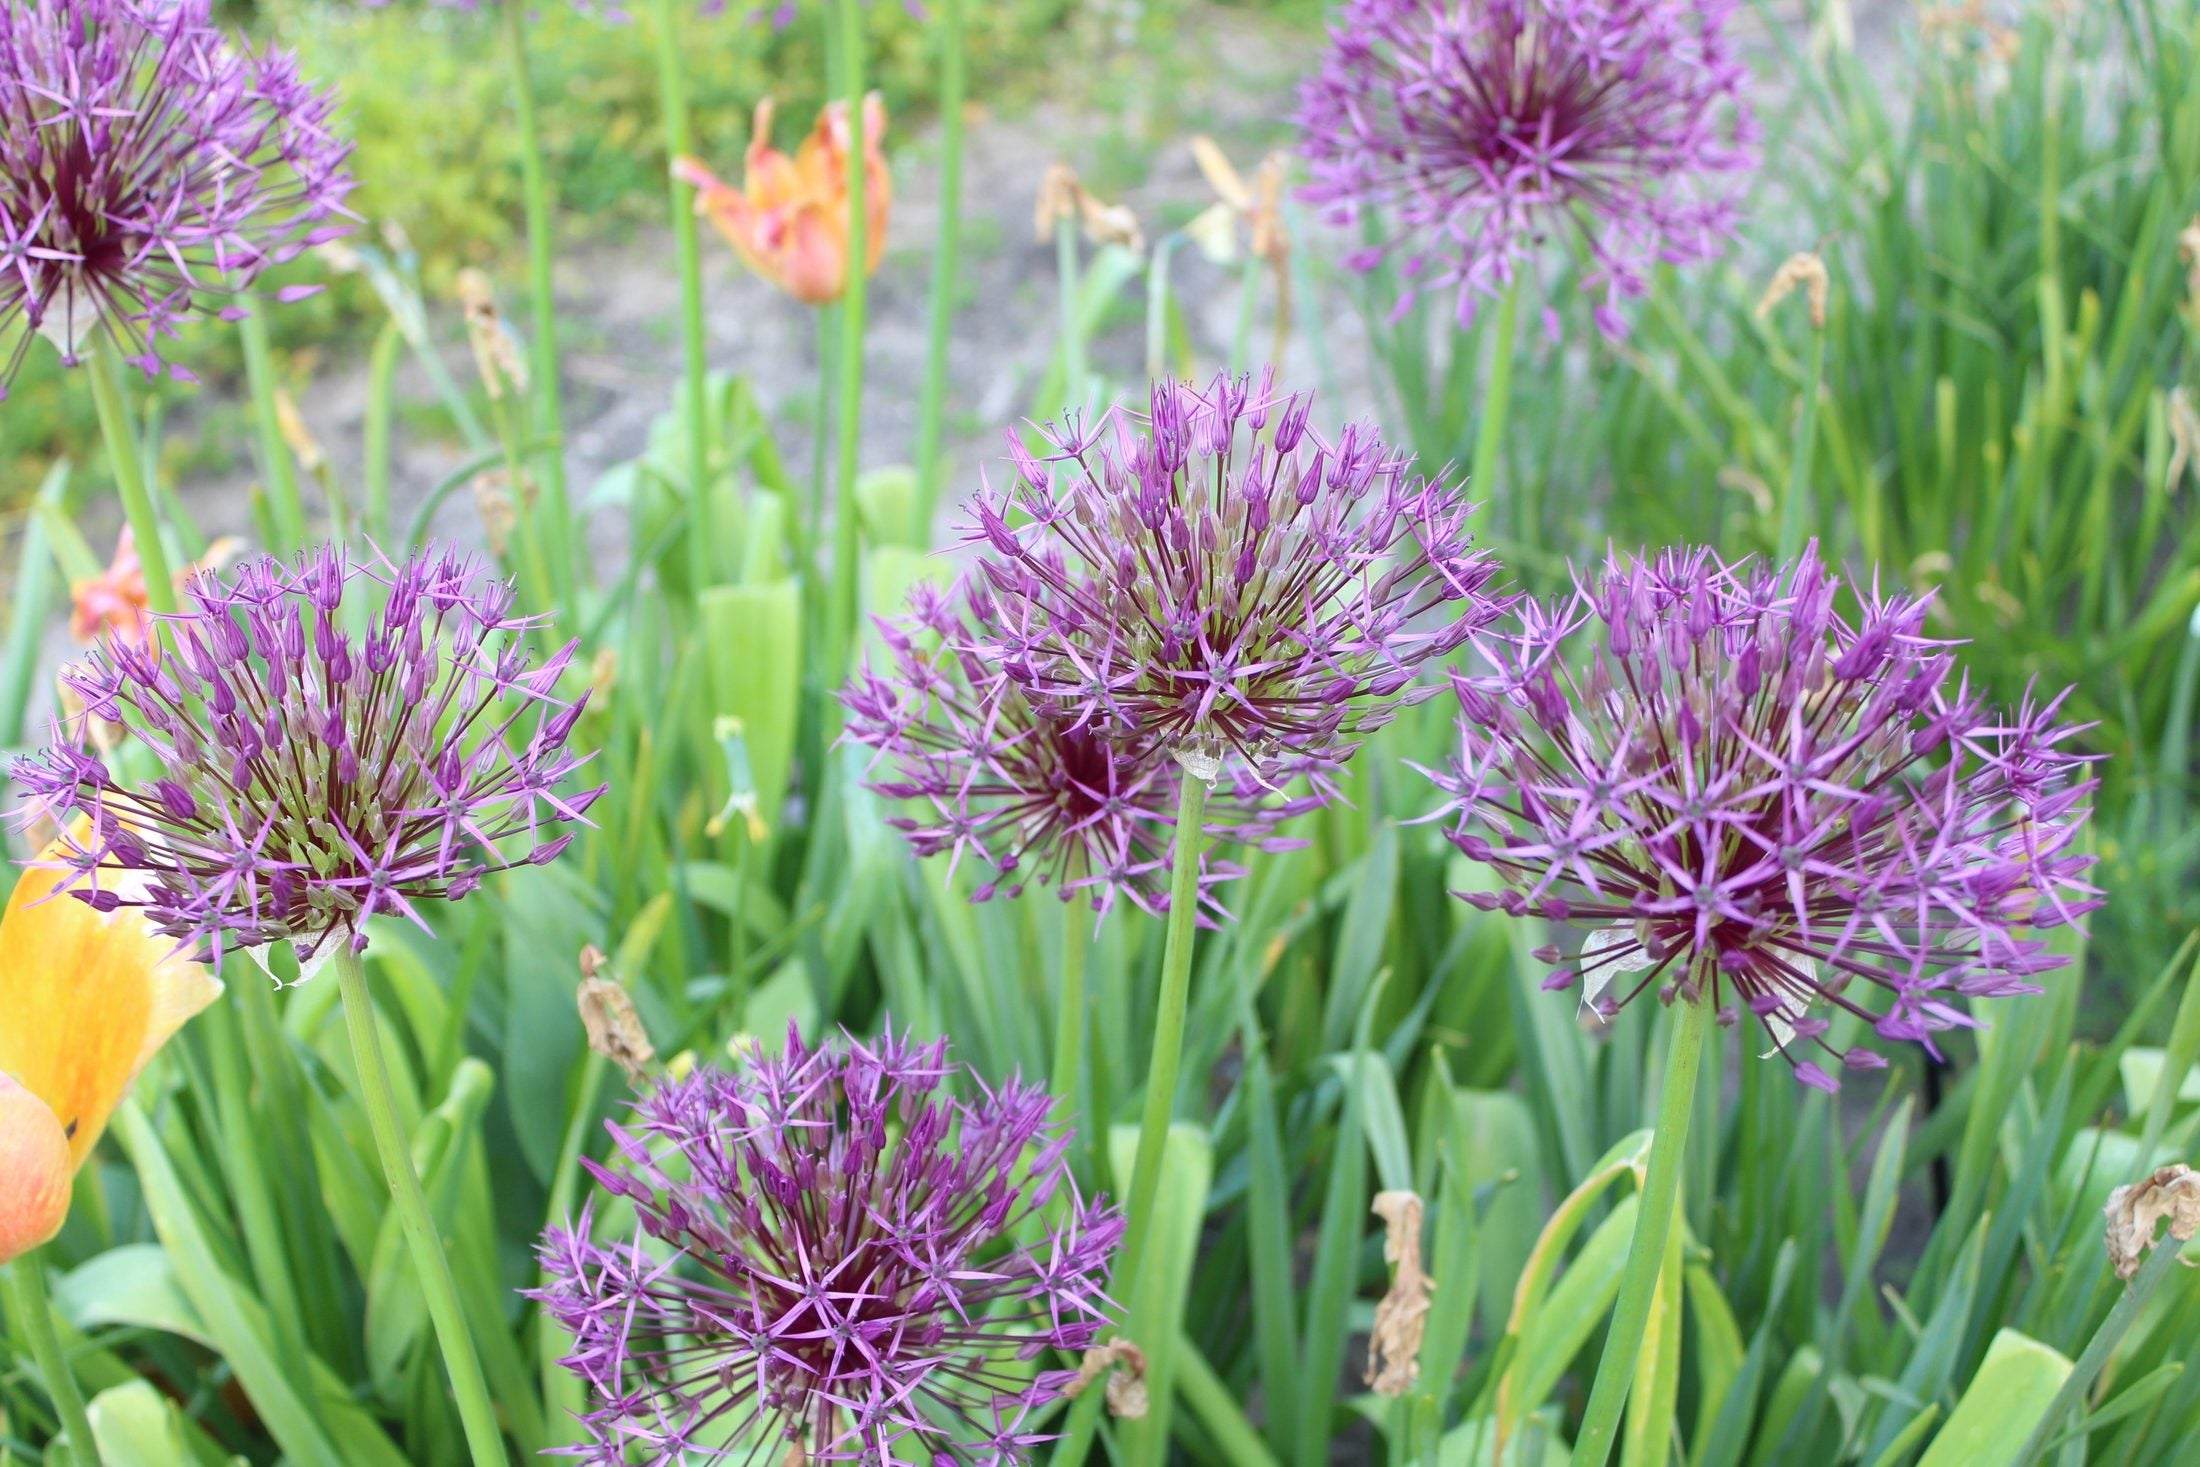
(86, 999)
(789, 220)
(114, 601)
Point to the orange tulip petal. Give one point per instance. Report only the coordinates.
(813, 255)
(35, 1171)
(789, 219)
(85, 1000)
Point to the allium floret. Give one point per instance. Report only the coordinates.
(1031, 797)
(337, 740)
(1473, 130)
(149, 169)
(1218, 579)
(1739, 796)
(836, 1255)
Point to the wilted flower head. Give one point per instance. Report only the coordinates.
(1032, 797)
(833, 1256)
(1747, 800)
(1482, 127)
(789, 220)
(337, 740)
(1217, 579)
(148, 169)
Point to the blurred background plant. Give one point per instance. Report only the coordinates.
(1997, 407)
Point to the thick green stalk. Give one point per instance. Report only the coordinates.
(846, 517)
(1168, 1033)
(1489, 432)
(120, 432)
(282, 469)
(1069, 1022)
(1073, 336)
(561, 1391)
(543, 345)
(33, 1310)
(381, 390)
(1157, 305)
(945, 250)
(2159, 1264)
(810, 524)
(1797, 516)
(695, 397)
(37, 581)
(1692, 1020)
(431, 1264)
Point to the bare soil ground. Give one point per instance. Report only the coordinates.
(1122, 113)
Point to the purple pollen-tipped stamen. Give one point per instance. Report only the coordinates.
(1473, 130)
(1243, 600)
(835, 1255)
(1736, 796)
(149, 169)
(306, 788)
(984, 775)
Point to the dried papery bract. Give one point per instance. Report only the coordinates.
(1743, 798)
(614, 1029)
(834, 1254)
(1217, 579)
(1063, 196)
(985, 777)
(1472, 131)
(149, 169)
(336, 739)
(1401, 1319)
(1124, 1366)
(2137, 1210)
(1803, 271)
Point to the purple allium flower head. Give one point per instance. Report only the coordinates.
(1745, 799)
(1481, 127)
(149, 169)
(1217, 579)
(833, 1253)
(1032, 797)
(336, 740)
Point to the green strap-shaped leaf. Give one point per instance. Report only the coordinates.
(2004, 1401)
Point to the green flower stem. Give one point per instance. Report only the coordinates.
(1489, 433)
(430, 1263)
(33, 1311)
(1168, 1035)
(120, 432)
(1157, 305)
(2160, 1263)
(1241, 339)
(812, 520)
(561, 1389)
(554, 509)
(282, 469)
(846, 516)
(1692, 1021)
(1073, 336)
(945, 252)
(1069, 1023)
(695, 398)
(381, 391)
(1797, 517)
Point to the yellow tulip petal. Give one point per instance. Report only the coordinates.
(86, 999)
(35, 1171)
